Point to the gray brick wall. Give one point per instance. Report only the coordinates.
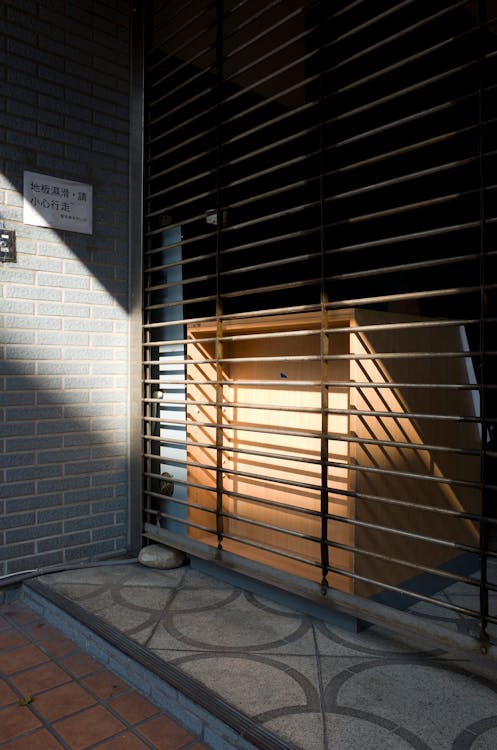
(64, 111)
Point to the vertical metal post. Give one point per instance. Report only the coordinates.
(219, 304)
(135, 383)
(324, 337)
(219, 433)
(484, 531)
(324, 349)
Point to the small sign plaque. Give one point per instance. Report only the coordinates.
(59, 204)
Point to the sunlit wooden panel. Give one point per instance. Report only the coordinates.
(395, 455)
(424, 477)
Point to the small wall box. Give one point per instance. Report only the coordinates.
(7, 246)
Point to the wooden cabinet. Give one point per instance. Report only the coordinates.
(392, 399)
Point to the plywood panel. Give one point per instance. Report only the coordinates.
(284, 420)
(416, 430)
(279, 480)
(265, 412)
(201, 438)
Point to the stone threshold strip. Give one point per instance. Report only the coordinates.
(184, 698)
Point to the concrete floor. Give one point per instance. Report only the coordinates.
(315, 686)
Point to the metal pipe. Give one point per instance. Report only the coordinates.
(13, 579)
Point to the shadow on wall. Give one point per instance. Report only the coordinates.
(64, 303)
(63, 375)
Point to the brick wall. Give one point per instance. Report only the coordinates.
(64, 83)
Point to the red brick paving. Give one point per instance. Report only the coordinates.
(74, 699)
(165, 733)
(79, 663)
(63, 701)
(133, 708)
(39, 740)
(88, 727)
(15, 720)
(41, 677)
(105, 684)
(15, 659)
(126, 741)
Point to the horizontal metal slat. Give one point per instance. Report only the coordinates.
(406, 592)
(269, 77)
(399, 64)
(164, 16)
(183, 162)
(403, 267)
(264, 57)
(402, 208)
(179, 184)
(378, 18)
(397, 36)
(273, 550)
(363, 108)
(403, 297)
(176, 110)
(177, 29)
(373, 194)
(404, 534)
(176, 50)
(156, 156)
(241, 25)
(273, 215)
(408, 148)
(277, 119)
(419, 567)
(400, 179)
(161, 98)
(254, 38)
(404, 237)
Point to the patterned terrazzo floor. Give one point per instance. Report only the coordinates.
(312, 684)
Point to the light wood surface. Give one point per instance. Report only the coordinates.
(284, 420)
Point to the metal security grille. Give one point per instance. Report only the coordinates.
(319, 294)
